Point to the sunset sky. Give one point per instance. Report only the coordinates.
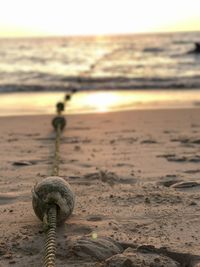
(85, 17)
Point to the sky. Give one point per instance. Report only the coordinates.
(19, 18)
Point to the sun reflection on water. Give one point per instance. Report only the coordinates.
(100, 102)
(96, 102)
(126, 100)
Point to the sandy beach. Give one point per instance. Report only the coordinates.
(135, 175)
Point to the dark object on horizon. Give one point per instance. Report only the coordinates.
(67, 97)
(60, 107)
(196, 50)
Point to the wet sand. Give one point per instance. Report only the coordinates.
(136, 176)
(85, 102)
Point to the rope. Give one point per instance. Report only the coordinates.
(55, 169)
(50, 244)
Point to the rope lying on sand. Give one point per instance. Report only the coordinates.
(53, 201)
(58, 124)
(50, 244)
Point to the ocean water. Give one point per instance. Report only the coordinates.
(110, 73)
(147, 62)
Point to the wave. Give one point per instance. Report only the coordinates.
(126, 62)
(107, 83)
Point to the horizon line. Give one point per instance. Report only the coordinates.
(95, 35)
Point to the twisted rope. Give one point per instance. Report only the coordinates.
(55, 169)
(50, 244)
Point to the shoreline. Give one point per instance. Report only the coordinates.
(37, 103)
(126, 170)
(106, 113)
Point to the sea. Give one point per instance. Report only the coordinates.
(130, 65)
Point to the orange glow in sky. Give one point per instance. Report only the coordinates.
(85, 17)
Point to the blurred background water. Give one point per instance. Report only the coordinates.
(154, 61)
(143, 71)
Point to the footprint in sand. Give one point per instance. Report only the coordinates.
(10, 197)
(193, 125)
(10, 140)
(7, 198)
(175, 158)
(170, 131)
(45, 138)
(148, 141)
(123, 165)
(79, 129)
(128, 140)
(75, 140)
(192, 171)
(186, 140)
(108, 177)
(79, 229)
(95, 218)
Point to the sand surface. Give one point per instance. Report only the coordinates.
(136, 176)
